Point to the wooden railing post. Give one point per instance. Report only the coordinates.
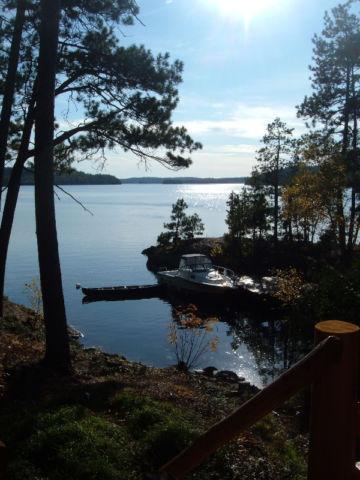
(333, 410)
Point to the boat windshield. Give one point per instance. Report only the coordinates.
(195, 262)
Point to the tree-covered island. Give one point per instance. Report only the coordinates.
(73, 177)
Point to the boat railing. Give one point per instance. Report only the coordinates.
(225, 271)
(332, 368)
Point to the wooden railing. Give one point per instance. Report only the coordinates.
(332, 370)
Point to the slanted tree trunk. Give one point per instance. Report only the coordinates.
(9, 88)
(57, 354)
(12, 195)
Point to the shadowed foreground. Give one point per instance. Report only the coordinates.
(113, 419)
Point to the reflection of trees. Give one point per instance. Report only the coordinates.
(275, 343)
(189, 334)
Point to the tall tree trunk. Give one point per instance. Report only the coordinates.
(12, 195)
(57, 354)
(291, 237)
(276, 195)
(290, 221)
(345, 135)
(354, 167)
(345, 144)
(9, 88)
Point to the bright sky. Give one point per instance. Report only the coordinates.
(246, 62)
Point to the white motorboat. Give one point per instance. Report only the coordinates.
(196, 273)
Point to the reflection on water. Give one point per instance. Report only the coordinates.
(211, 197)
(275, 344)
(106, 250)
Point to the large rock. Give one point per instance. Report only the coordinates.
(227, 376)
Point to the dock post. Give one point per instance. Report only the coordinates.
(334, 407)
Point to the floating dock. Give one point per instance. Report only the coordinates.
(122, 292)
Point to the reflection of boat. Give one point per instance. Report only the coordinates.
(196, 273)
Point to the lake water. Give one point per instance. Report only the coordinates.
(105, 249)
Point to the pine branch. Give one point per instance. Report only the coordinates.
(66, 193)
(75, 199)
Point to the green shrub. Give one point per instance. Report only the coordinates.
(143, 412)
(73, 444)
(23, 469)
(127, 401)
(161, 430)
(166, 440)
(144, 418)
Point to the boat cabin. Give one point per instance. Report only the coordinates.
(195, 262)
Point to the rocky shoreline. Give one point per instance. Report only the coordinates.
(22, 332)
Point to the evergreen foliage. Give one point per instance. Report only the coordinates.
(127, 96)
(247, 214)
(273, 157)
(333, 109)
(181, 226)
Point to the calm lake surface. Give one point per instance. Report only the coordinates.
(105, 249)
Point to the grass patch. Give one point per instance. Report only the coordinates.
(71, 443)
(160, 429)
(285, 454)
(30, 327)
(164, 441)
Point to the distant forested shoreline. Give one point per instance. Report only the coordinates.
(285, 176)
(76, 177)
(182, 180)
(73, 178)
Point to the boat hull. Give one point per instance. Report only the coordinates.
(180, 284)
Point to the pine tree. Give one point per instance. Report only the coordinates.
(274, 156)
(9, 85)
(128, 96)
(181, 226)
(57, 354)
(334, 105)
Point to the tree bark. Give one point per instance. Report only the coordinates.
(276, 195)
(12, 195)
(9, 88)
(57, 354)
(345, 144)
(354, 166)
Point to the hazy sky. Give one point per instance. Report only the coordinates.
(246, 62)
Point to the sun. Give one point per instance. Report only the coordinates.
(243, 9)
